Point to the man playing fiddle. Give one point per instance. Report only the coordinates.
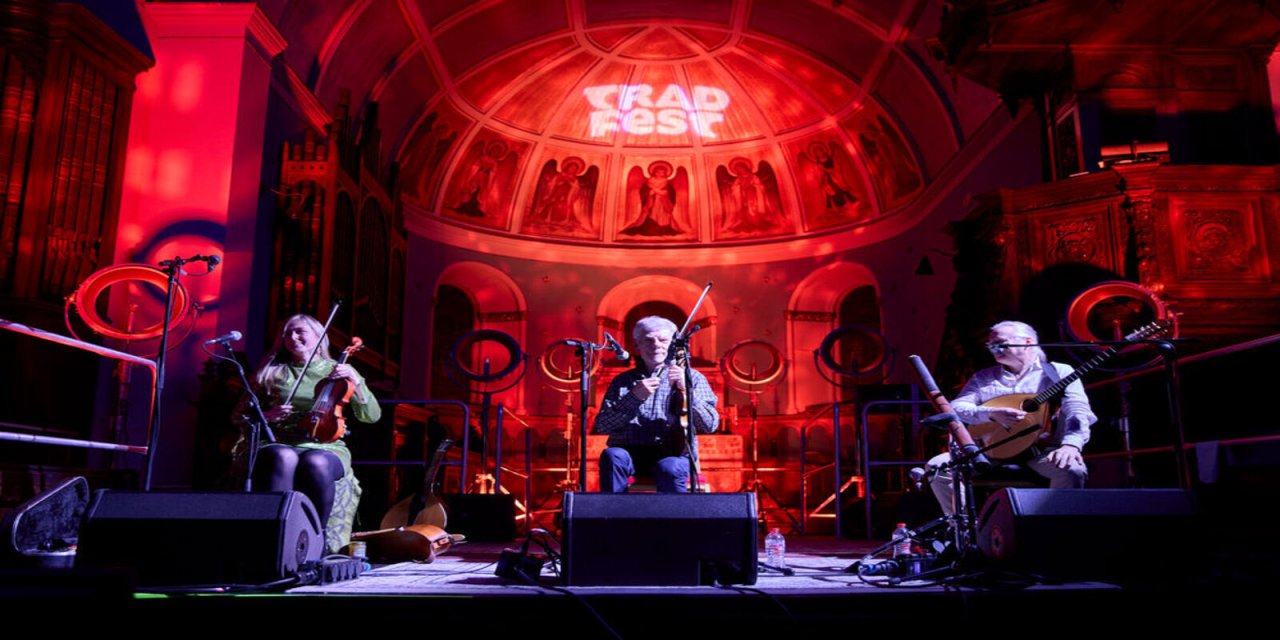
(641, 414)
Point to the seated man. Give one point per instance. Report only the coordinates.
(1057, 455)
(641, 415)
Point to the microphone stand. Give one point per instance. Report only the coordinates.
(965, 456)
(679, 341)
(585, 351)
(171, 268)
(1173, 388)
(964, 463)
(258, 425)
(961, 531)
(678, 344)
(1168, 350)
(755, 484)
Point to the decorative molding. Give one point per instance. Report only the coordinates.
(502, 316)
(1142, 223)
(1218, 242)
(212, 20)
(264, 34)
(797, 315)
(1076, 240)
(308, 104)
(122, 61)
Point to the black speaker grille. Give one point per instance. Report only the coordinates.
(659, 539)
(200, 538)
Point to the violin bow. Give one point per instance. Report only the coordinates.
(319, 340)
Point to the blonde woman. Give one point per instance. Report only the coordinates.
(321, 471)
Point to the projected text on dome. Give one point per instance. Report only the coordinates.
(641, 109)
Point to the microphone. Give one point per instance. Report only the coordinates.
(210, 261)
(233, 336)
(616, 348)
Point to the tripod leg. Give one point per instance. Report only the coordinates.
(763, 493)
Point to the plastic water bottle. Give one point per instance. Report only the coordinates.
(901, 540)
(775, 549)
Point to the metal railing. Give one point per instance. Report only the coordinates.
(91, 348)
(466, 438)
(1195, 359)
(865, 443)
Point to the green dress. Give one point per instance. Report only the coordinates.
(337, 532)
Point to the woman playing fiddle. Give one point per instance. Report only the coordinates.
(296, 461)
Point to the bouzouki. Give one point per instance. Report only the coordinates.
(1010, 441)
(423, 507)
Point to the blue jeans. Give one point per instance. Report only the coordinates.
(617, 465)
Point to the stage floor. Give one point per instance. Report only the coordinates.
(460, 593)
(818, 566)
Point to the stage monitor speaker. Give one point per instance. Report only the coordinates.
(482, 517)
(1088, 534)
(664, 539)
(194, 538)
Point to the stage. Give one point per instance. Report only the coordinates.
(460, 593)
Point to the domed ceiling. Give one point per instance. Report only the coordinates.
(535, 126)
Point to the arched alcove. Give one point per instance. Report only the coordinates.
(812, 313)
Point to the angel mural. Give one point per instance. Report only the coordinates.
(660, 197)
(834, 191)
(564, 199)
(483, 193)
(431, 143)
(828, 185)
(751, 205)
(890, 161)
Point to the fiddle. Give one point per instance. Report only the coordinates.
(326, 421)
(679, 357)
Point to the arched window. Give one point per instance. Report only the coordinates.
(860, 307)
(493, 301)
(343, 283)
(370, 304)
(454, 316)
(833, 296)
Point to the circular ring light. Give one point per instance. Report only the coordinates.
(564, 377)
(753, 377)
(470, 339)
(1110, 310)
(867, 346)
(86, 297)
